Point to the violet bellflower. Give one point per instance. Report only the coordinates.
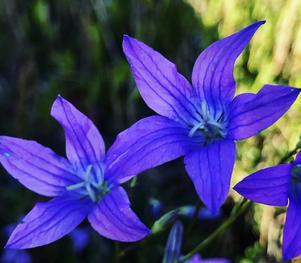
(276, 186)
(80, 239)
(82, 185)
(198, 259)
(201, 121)
(14, 255)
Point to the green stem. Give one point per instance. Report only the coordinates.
(244, 205)
(285, 158)
(238, 209)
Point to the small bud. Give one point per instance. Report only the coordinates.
(164, 221)
(187, 210)
(133, 182)
(173, 246)
(203, 214)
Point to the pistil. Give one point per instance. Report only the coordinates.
(209, 126)
(96, 190)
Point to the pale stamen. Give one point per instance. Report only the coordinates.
(94, 189)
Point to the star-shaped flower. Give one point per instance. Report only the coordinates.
(200, 122)
(198, 259)
(82, 185)
(276, 186)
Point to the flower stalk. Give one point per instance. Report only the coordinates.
(243, 207)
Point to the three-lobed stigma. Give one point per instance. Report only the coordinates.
(93, 184)
(210, 126)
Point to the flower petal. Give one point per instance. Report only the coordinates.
(114, 219)
(163, 89)
(268, 186)
(84, 144)
(212, 75)
(148, 143)
(35, 166)
(291, 247)
(251, 113)
(210, 169)
(194, 259)
(197, 259)
(48, 222)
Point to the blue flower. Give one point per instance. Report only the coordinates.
(201, 121)
(14, 255)
(198, 259)
(172, 251)
(82, 185)
(276, 186)
(80, 239)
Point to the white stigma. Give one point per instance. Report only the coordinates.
(95, 188)
(211, 127)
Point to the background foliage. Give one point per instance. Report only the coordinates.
(73, 48)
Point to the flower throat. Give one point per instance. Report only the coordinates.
(93, 185)
(210, 126)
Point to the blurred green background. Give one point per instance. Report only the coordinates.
(73, 48)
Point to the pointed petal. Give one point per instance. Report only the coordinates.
(163, 89)
(268, 186)
(148, 143)
(114, 218)
(210, 169)
(48, 222)
(292, 230)
(212, 75)
(84, 144)
(252, 113)
(35, 166)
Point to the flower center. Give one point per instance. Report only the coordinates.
(211, 126)
(93, 184)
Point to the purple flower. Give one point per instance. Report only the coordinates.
(198, 259)
(80, 239)
(275, 186)
(200, 122)
(14, 255)
(82, 186)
